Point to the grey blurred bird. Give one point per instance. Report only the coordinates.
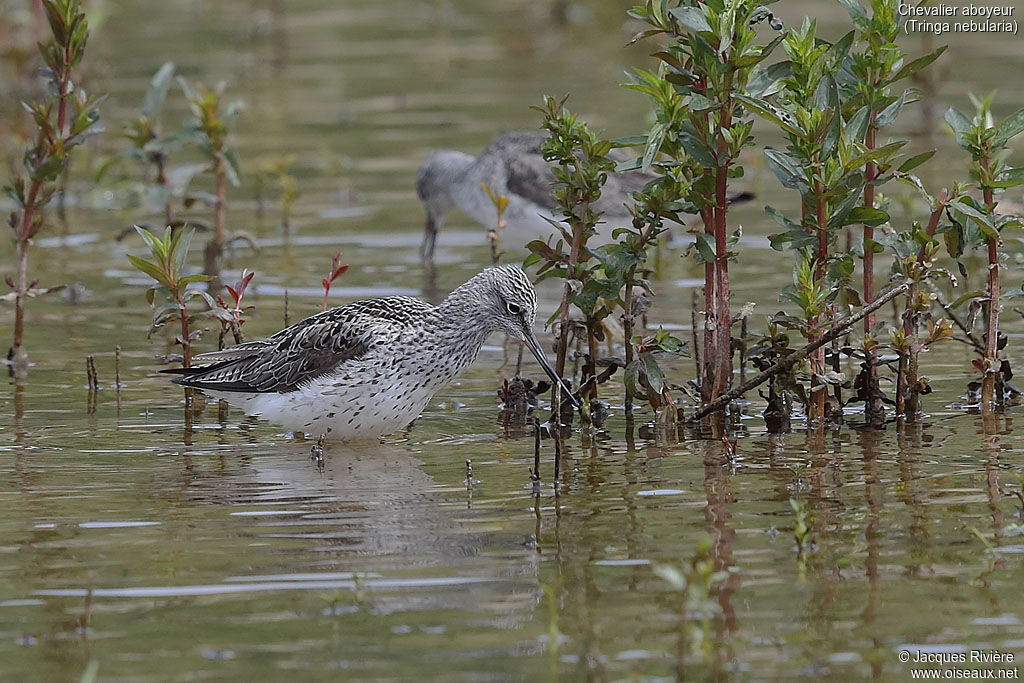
(513, 166)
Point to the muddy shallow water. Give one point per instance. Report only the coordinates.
(223, 553)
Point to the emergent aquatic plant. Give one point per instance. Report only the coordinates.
(209, 127)
(62, 122)
(626, 261)
(982, 223)
(701, 128)
(336, 270)
(823, 161)
(150, 146)
(231, 317)
(172, 285)
(867, 79)
(581, 169)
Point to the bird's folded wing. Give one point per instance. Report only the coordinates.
(306, 350)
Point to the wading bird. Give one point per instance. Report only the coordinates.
(370, 367)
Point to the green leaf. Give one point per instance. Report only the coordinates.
(698, 150)
(179, 248)
(983, 221)
(785, 169)
(964, 298)
(960, 124)
(911, 68)
(1010, 178)
(889, 114)
(857, 13)
(231, 167)
(157, 92)
(857, 125)
(150, 269)
(779, 117)
(915, 161)
(705, 248)
(1013, 125)
(692, 18)
(866, 216)
(654, 140)
(841, 268)
(765, 81)
(655, 377)
(186, 87)
(631, 379)
(700, 104)
(156, 247)
(48, 170)
(628, 164)
(873, 246)
(879, 154)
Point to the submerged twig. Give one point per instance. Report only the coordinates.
(90, 372)
(117, 375)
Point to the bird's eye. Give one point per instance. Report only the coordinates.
(514, 309)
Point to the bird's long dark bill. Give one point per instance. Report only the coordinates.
(538, 353)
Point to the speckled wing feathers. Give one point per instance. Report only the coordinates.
(306, 350)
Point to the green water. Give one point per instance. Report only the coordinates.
(223, 553)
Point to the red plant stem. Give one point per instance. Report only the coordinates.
(722, 295)
(988, 392)
(873, 409)
(327, 290)
(25, 229)
(710, 327)
(870, 173)
(722, 315)
(818, 357)
(933, 222)
(627, 332)
(186, 343)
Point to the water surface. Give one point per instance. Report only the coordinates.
(224, 553)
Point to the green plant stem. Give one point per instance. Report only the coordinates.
(161, 179)
(627, 319)
(574, 254)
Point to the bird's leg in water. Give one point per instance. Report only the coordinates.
(317, 451)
